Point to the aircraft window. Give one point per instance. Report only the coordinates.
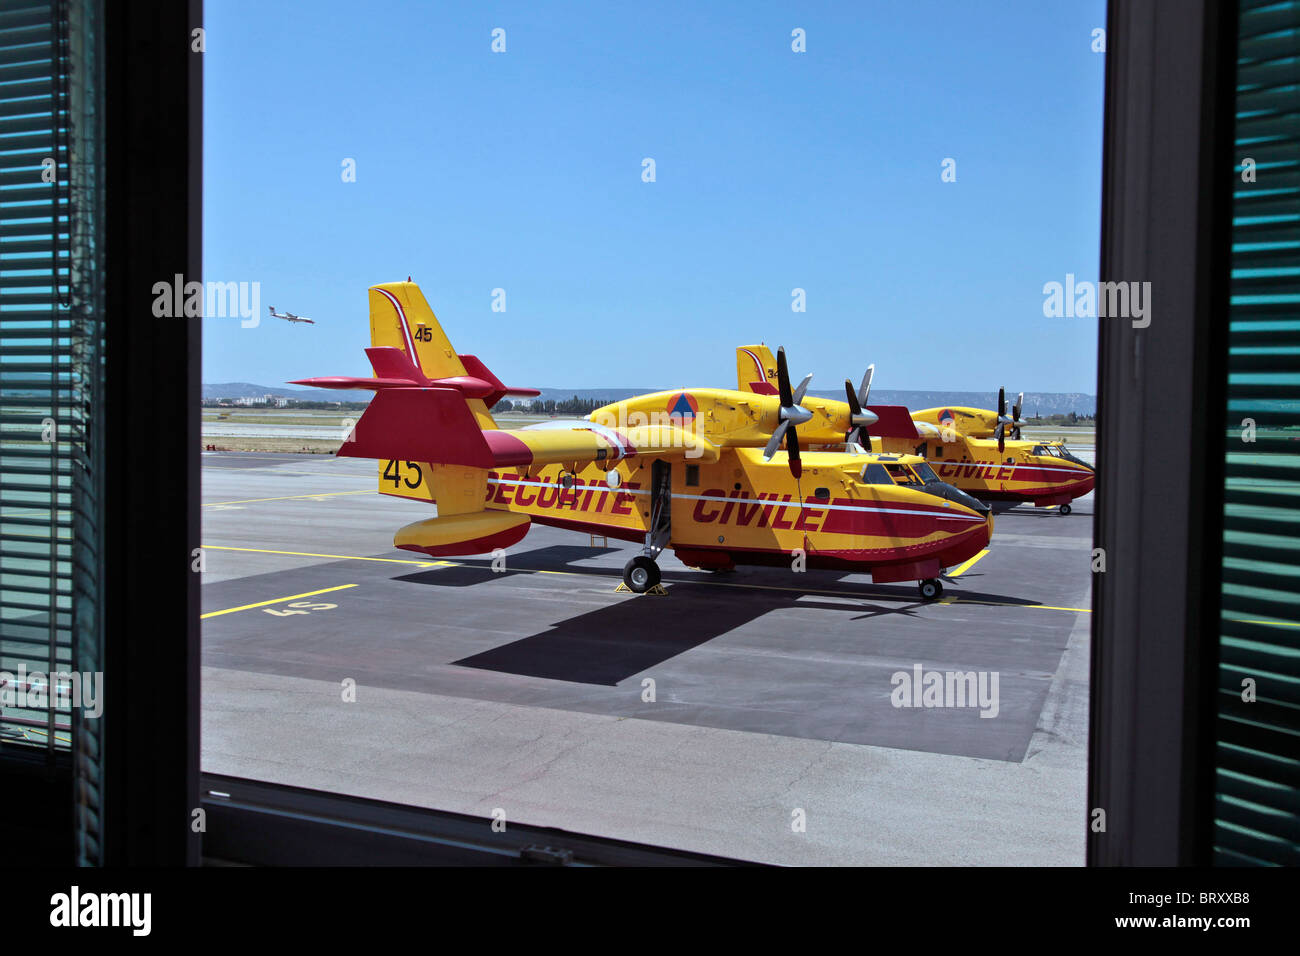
(821, 493)
(938, 451)
(875, 474)
(903, 475)
(1040, 450)
(693, 476)
(926, 472)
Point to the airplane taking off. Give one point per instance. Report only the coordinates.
(974, 449)
(289, 316)
(696, 470)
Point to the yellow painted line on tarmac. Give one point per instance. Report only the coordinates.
(291, 597)
(962, 568)
(1242, 620)
(323, 494)
(337, 557)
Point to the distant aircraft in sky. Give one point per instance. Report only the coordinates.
(289, 316)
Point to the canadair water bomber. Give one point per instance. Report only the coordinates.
(720, 477)
(977, 450)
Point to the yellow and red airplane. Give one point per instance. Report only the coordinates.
(697, 470)
(977, 450)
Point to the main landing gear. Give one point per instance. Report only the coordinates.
(642, 573)
(1065, 509)
(931, 589)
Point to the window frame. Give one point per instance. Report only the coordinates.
(1163, 544)
(1170, 82)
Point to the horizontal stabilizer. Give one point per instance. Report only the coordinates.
(353, 382)
(893, 421)
(499, 390)
(419, 424)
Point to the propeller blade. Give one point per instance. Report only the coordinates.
(783, 378)
(855, 407)
(1002, 403)
(999, 435)
(864, 390)
(774, 442)
(803, 387)
(857, 432)
(792, 447)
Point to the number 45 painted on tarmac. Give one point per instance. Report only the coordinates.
(306, 607)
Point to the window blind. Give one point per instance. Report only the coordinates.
(1257, 761)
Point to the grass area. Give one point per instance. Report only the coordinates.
(1071, 435)
(305, 446)
(324, 420)
(330, 419)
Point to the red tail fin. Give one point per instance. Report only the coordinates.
(895, 421)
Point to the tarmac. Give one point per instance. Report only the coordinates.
(750, 714)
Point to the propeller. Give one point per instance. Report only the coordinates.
(1015, 416)
(791, 414)
(1000, 431)
(858, 419)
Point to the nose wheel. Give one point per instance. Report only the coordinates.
(931, 589)
(641, 574)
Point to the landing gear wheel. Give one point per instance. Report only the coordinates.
(931, 589)
(640, 574)
(1066, 509)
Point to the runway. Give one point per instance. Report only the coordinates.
(715, 718)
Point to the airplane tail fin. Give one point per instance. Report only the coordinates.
(892, 421)
(426, 424)
(756, 370)
(400, 318)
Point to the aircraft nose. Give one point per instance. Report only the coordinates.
(952, 493)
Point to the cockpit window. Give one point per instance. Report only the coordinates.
(875, 474)
(926, 472)
(903, 475)
(1040, 450)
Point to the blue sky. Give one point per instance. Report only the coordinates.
(774, 170)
